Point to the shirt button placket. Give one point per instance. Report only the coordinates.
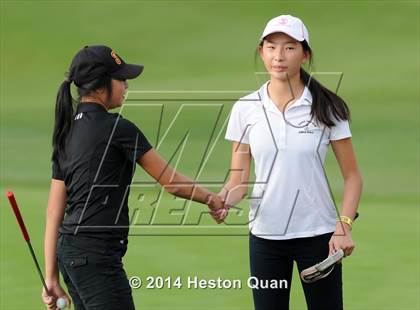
(282, 134)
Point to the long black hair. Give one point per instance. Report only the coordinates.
(64, 109)
(326, 105)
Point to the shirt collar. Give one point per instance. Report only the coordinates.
(305, 99)
(90, 107)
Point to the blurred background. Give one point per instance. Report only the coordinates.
(208, 47)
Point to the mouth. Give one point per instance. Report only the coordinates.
(278, 68)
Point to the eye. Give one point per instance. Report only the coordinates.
(290, 48)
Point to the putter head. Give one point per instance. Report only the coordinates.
(322, 269)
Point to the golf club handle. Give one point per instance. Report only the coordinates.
(15, 208)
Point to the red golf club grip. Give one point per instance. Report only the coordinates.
(15, 208)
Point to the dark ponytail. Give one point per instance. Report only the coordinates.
(326, 105)
(64, 109)
(63, 119)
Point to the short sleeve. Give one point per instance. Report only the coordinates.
(130, 140)
(56, 171)
(237, 130)
(341, 130)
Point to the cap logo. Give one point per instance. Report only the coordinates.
(283, 21)
(116, 58)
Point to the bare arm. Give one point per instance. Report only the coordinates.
(343, 150)
(237, 186)
(176, 183)
(55, 214)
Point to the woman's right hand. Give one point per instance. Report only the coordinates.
(216, 206)
(220, 213)
(55, 291)
(215, 202)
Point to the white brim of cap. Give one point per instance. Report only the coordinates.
(285, 30)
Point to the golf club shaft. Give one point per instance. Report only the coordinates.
(37, 267)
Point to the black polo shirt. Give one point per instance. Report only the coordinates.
(101, 156)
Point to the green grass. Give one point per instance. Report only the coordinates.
(209, 46)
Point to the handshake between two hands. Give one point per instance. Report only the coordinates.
(219, 209)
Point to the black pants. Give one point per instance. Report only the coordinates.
(273, 259)
(93, 272)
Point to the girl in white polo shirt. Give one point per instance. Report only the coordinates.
(286, 127)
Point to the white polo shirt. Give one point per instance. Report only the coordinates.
(291, 197)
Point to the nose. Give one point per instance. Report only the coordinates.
(279, 54)
(125, 84)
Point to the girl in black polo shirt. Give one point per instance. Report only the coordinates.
(94, 156)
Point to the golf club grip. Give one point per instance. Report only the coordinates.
(15, 208)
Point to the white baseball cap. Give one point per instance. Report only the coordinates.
(289, 25)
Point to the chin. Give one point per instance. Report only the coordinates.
(279, 76)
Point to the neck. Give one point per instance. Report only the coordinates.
(89, 99)
(285, 91)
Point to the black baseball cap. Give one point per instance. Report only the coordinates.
(94, 61)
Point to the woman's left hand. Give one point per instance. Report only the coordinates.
(341, 239)
(55, 291)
